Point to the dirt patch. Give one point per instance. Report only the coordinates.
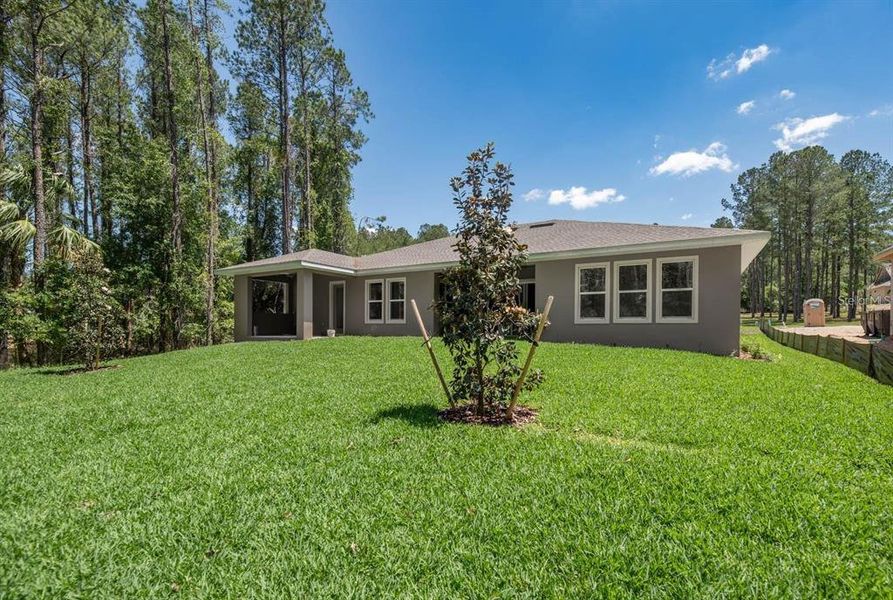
(853, 333)
(743, 355)
(467, 413)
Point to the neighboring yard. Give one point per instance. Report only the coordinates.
(319, 468)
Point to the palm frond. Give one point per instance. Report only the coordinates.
(13, 175)
(67, 241)
(8, 211)
(18, 233)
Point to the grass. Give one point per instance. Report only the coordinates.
(319, 469)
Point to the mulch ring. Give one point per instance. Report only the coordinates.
(467, 413)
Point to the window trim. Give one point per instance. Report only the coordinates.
(649, 297)
(368, 284)
(387, 296)
(578, 320)
(695, 289)
(521, 284)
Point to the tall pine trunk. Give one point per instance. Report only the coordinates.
(36, 105)
(306, 238)
(284, 135)
(6, 260)
(215, 183)
(87, 150)
(211, 207)
(171, 337)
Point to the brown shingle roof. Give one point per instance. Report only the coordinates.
(541, 238)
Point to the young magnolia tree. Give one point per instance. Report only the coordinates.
(479, 311)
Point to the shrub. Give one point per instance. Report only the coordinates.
(479, 309)
(756, 350)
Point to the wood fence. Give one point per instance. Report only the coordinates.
(870, 358)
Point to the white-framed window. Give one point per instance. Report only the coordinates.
(632, 291)
(375, 301)
(677, 289)
(527, 294)
(591, 284)
(396, 311)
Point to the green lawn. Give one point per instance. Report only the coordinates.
(319, 469)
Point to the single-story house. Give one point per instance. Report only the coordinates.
(613, 283)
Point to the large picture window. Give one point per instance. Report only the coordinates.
(677, 296)
(397, 300)
(374, 301)
(591, 284)
(632, 292)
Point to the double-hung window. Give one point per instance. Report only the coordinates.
(591, 284)
(677, 293)
(632, 291)
(375, 301)
(396, 300)
(386, 300)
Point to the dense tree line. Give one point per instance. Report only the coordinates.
(112, 115)
(828, 218)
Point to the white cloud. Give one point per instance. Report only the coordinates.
(802, 132)
(686, 216)
(882, 111)
(751, 56)
(746, 107)
(534, 195)
(579, 197)
(786, 94)
(736, 65)
(692, 162)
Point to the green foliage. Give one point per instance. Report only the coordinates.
(19, 319)
(80, 311)
(478, 310)
(756, 349)
(318, 469)
(827, 219)
(428, 232)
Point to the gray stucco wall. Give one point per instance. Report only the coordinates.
(419, 285)
(716, 332)
(719, 301)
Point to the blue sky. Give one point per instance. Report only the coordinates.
(644, 106)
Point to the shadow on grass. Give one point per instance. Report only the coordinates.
(418, 415)
(73, 370)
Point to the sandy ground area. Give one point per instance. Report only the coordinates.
(853, 333)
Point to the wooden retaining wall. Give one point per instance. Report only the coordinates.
(867, 358)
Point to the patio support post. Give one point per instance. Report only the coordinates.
(304, 312)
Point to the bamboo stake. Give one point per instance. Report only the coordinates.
(418, 316)
(536, 341)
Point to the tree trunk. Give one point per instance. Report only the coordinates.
(87, 151)
(211, 207)
(36, 113)
(284, 136)
(306, 238)
(176, 216)
(252, 214)
(5, 260)
(215, 183)
(69, 170)
(851, 258)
